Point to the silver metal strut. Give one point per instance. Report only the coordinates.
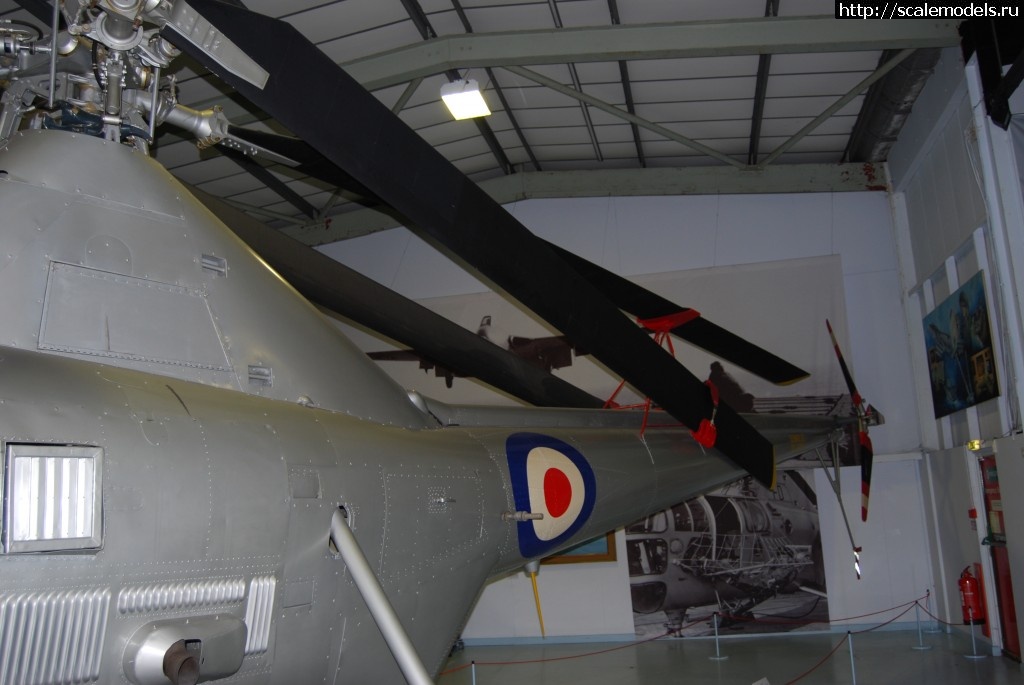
(377, 602)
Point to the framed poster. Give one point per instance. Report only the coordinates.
(598, 549)
(958, 341)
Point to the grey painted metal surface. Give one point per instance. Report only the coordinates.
(790, 178)
(653, 41)
(377, 601)
(122, 275)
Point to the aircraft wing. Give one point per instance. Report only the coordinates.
(551, 352)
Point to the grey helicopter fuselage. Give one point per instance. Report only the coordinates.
(179, 427)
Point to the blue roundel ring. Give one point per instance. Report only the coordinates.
(535, 462)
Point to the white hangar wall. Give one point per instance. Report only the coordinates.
(958, 212)
(635, 236)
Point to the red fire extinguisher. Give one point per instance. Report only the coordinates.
(970, 598)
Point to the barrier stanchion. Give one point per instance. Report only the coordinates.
(928, 610)
(718, 654)
(920, 646)
(716, 617)
(853, 668)
(974, 645)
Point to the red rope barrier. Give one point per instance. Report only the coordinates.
(568, 657)
(787, 621)
(882, 625)
(908, 606)
(818, 665)
(948, 623)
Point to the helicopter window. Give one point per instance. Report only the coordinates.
(691, 516)
(681, 516)
(701, 547)
(727, 515)
(699, 512)
(648, 597)
(754, 515)
(647, 557)
(656, 523)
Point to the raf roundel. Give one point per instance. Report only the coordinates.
(552, 478)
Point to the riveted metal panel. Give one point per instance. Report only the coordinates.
(448, 506)
(93, 312)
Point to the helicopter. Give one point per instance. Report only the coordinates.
(730, 550)
(202, 477)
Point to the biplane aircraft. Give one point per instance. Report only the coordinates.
(547, 353)
(202, 478)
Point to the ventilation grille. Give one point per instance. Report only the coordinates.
(218, 266)
(261, 375)
(258, 614)
(177, 596)
(53, 498)
(52, 638)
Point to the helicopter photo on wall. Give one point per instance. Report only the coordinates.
(750, 555)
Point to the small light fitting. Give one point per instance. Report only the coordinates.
(464, 99)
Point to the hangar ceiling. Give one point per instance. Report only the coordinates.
(589, 97)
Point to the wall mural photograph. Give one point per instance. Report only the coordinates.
(750, 554)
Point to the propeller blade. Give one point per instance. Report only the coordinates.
(357, 133)
(644, 304)
(867, 456)
(867, 452)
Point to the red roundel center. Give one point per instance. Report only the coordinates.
(557, 492)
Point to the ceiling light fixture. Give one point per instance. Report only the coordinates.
(464, 99)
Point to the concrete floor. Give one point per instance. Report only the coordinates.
(879, 658)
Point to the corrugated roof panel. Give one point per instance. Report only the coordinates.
(707, 98)
(509, 17)
(693, 67)
(352, 17)
(351, 47)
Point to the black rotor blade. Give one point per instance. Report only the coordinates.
(644, 304)
(355, 131)
(354, 296)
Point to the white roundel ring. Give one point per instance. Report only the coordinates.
(556, 490)
(552, 478)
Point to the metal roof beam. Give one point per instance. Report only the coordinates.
(764, 66)
(623, 114)
(839, 104)
(715, 180)
(774, 35)
(627, 88)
